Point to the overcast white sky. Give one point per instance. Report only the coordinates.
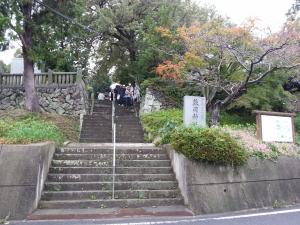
(271, 13)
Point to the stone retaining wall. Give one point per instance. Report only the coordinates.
(215, 189)
(154, 101)
(61, 100)
(23, 171)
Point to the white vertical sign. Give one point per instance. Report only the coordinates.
(194, 112)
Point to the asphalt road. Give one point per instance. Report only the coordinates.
(289, 216)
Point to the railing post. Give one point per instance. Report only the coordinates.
(79, 76)
(50, 77)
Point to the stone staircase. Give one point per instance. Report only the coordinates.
(128, 126)
(81, 178)
(97, 128)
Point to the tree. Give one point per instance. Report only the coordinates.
(31, 23)
(225, 60)
(127, 37)
(17, 17)
(292, 13)
(59, 43)
(3, 67)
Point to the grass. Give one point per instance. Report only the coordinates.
(21, 127)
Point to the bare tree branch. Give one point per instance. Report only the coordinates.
(270, 70)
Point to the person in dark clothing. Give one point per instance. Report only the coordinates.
(117, 93)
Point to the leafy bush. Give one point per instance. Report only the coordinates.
(166, 131)
(161, 123)
(29, 129)
(208, 144)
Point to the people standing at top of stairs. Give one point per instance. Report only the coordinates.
(124, 95)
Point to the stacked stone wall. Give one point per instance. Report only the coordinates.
(154, 101)
(61, 100)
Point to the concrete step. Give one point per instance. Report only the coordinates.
(102, 135)
(135, 185)
(108, 170)
(124, 194)
(122, 203)
(97, 120)
(98, 117)
(109, 150)
(110, 213)
(129, 135)
(134, 131)
(119, 156)
(107, 129)
(128, 140)
(105, 163)
(97, 124)
(108, 177)
(94, 140)
(131, 123)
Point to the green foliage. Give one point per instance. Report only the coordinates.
(270, 155)
(172, 91)
(232, 118)
(268, 95)
(4, 68)
(209, 145)
(162, 123)
(101, 83)
(297, 123)
(166, 131)
(29, 129)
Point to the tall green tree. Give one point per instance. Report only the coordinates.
(128, 40)
(17, 18)
(43, 34)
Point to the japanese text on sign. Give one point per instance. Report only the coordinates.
(194, 111)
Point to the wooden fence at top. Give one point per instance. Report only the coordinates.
(42, 79)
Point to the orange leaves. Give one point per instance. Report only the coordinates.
(168, 70)
(164, 32)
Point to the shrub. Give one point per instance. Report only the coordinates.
(208, 144)
(158, 123)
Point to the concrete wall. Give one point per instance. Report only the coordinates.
(61, 100)
(260, 183)
(23, 170)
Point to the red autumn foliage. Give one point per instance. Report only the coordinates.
(168, 70)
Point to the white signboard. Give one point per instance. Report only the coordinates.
(194, 112)
(276, 128)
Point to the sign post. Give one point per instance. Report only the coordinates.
(194, 112)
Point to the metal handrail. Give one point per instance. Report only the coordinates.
(114, 148)
(114, 161)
